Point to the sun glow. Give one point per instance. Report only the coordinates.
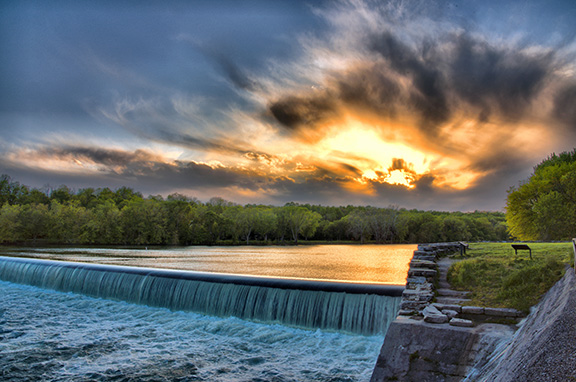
(400, 177)
(377, 160)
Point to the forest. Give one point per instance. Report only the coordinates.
(124, 216)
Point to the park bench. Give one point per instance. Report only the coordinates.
(463, 248)
(521, 247)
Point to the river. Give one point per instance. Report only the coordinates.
(55, 336)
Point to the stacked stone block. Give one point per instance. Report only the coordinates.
(418, 297)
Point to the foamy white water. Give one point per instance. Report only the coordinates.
(54, 336)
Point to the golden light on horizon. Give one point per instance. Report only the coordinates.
(400, 177)
(362, 147)
(373, 159)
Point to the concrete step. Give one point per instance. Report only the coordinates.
(452, 293)
(451, 300)
(424, 272)
(444, 285)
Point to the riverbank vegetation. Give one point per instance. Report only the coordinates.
(496, 277)
(125, 217)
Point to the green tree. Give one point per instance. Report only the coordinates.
(10, 191)
(544, 207)
(144, 222)
(62, 194)
(68, 223)
(10, 225)
(301, 221)
(105, 194)
(247, 220)
(180, 214)
(124, 195)
(454, 228)
(35, 221)
(267, 222)
(105, 224)
(87, 197)
(359, 224)
(336, 230)
(383, 223)
(36, 196)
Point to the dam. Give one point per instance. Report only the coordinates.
(351, 307)
(107, 314)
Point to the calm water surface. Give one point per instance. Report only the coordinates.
(386, 264)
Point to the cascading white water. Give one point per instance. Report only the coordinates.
(355, 308)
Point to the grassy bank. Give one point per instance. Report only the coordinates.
(498, 278)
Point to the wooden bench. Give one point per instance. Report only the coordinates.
(521, 247)
(463, 248)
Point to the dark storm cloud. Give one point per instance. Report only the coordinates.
(428, 95)
(183, 175)
(347, 168)
(103, 156)
(140, 169)
(371, 89)
(432, 79)
(565, 106)
(151, 174)
(294, 112)
(502, 79)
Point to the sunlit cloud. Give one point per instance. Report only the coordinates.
(387, 96)
(388, 102)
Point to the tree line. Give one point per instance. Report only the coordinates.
(125, 217)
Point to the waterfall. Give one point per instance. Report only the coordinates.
(351, 307)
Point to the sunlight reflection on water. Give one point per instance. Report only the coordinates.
(386, 264)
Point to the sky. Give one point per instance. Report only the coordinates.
(434, 105)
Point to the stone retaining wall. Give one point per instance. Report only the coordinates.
(418, 297)
(435, 342)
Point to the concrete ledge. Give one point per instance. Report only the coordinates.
(418, 351)
(423, 264)
(424, 272)
(472, 310)
(503, 312)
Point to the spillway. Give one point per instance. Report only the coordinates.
(350, 307)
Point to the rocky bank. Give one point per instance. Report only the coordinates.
(544, 348)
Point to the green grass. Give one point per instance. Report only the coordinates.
(498, 278)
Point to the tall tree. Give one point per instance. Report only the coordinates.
(35, 221)
(544, 207)
(359, 224)
(10, 225)
(301, 220)
(382, 222)
(105, 225)
(144, 222)
(68, 223)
